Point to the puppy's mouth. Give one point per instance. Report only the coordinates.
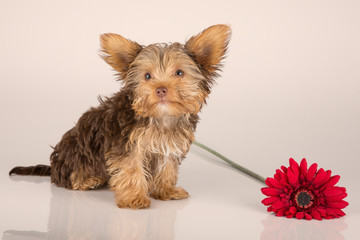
(164, 101)
(167, 105)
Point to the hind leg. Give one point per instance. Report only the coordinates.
(86, 183)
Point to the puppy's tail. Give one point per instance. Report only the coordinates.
(38, 170)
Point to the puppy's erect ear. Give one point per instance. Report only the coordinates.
(209, 47)
(118, 51)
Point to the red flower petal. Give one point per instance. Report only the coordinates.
(284, 179)
(339, 204)
(311, 172)
(321, 211)
(293, 210)
(268, 201)
(277, 174)
(315, 214)
(303, 167)
(294, 166)
(280, 212)
(299, 215)
(333, 180)
(308, 216)
(278, 205)
(320, 176)
(270, 191)
(335, 211)
(336, 197)
(326, 178)
(271, 182)
(293, 180)
(334, 191)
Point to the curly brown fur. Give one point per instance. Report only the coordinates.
(135, 140)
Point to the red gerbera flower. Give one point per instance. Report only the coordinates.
(300, 192)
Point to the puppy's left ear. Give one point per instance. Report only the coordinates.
(118, 51)
(209, 47)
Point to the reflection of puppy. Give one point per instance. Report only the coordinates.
(135, 140)
(70, 218)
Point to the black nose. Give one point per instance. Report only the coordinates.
(161, 91)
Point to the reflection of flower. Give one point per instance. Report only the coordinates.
(283, 228)
(300, 192)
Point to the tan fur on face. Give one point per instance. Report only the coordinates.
(185, 94)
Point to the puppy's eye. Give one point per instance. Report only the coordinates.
(147, 76)
(179, 73)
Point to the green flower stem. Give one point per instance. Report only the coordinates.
(233, 164)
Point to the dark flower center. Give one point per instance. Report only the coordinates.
(304, 198)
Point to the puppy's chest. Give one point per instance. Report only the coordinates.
(168, 142)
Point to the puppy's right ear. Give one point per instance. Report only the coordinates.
(118, 51)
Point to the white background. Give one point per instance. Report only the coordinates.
(290, 87)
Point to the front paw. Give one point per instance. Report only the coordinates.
(137, 203)
(170, 194)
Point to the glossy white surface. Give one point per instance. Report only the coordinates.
(289, 88)
(223, 205)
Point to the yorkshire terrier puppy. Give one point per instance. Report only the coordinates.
(135, 140)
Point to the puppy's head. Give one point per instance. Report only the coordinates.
(168, 79)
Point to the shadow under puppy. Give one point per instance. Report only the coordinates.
(135, 140)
